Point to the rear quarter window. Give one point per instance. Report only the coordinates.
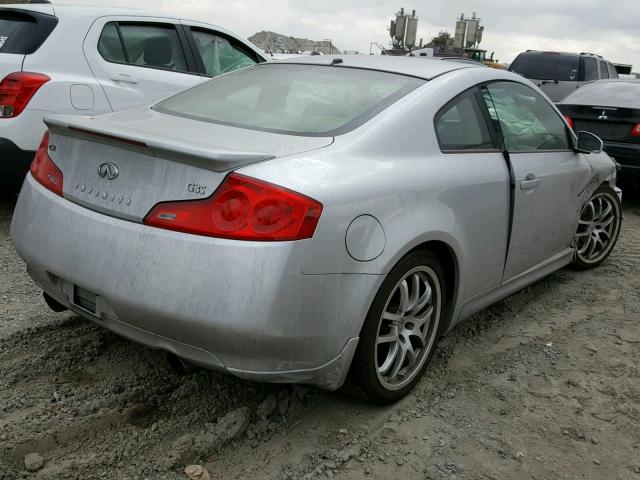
(23, 33)
(460, 125)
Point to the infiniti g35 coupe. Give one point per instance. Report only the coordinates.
(314, 220)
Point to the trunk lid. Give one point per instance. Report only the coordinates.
(609, 123)
(123, 164)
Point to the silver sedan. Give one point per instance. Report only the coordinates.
(316, 220)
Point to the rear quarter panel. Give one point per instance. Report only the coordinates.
(391, 168)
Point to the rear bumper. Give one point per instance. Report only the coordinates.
(240, 307)
(14, 164)
(627, 155)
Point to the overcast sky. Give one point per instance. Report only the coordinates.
(604, 27)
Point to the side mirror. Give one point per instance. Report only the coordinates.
(588, 143)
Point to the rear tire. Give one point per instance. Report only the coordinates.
(401, 330)
(598, 228)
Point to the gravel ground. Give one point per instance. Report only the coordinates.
(543, 385)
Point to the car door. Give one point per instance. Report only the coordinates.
(548, 176)
(139, 61)
(217, 52)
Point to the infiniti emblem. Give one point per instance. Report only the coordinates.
(108, 170)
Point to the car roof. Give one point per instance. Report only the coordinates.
(93, 10)
(421, 67)
(553, 52)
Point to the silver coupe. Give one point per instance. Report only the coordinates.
(314, 220)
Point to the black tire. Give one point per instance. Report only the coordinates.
(364, 379)
(590, 229)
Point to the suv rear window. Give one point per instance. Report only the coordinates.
(307, 100)
(547, 66)
(22, 33)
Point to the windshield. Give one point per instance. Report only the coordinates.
(310, 100)
(547, 66)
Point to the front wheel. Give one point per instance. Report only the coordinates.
(401, 329)
(598, 228)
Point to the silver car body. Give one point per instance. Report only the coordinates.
(293, 311)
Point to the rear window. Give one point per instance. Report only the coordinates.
(551, 66)
(620, 94)
(22, 33)
(309, 100)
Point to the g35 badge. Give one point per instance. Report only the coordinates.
(198, 189)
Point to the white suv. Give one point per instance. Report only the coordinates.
(90, 60)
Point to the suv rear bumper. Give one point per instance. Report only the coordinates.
(14, 164)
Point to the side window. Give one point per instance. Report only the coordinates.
(528, 122)
(613, 73)
(590, 69)
(153, 45)
(460, 125)
(110, 46)
(604, 71)
(220, 55)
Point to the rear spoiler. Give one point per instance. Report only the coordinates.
(216, 159)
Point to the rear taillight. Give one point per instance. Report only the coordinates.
(636, 131)
(242, 208)
(16, 90)
(569, 121)
(44, 170)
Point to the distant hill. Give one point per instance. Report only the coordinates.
(277, 42)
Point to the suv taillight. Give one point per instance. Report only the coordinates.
(17, 89)
(242, 208)
(636, 131)
(44, 170)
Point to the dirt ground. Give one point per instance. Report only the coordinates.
(543, 385)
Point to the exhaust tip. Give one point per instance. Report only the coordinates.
(180, 366)
(54, 304)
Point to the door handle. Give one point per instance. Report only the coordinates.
(530, 182)
(121, 77)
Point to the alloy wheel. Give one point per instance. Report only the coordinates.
(408, 327)
(597, 228)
